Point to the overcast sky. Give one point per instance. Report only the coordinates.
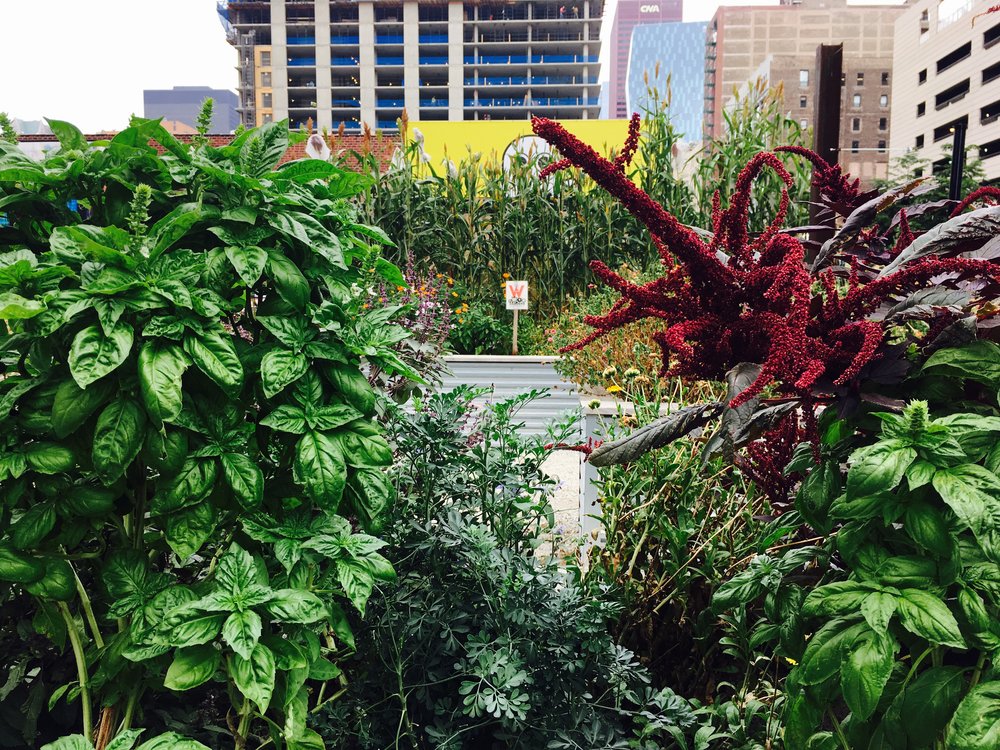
(87, 61)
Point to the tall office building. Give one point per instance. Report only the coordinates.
(629, 15)
(947, 75)
(779, 43)
(673, 52)
(365, 61)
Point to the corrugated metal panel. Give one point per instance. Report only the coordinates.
(508, 376)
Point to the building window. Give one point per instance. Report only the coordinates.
(266, 117)
(954, 57)
(922, 76)
(883, 123)
(265, 59)
(991, 73)
(885, 79)
(803, 78)
(856, 100)
(990, 113)
(861, 79)
(948, 129)
(989, 150)
(803, 101)
(991, 36)
(919, 141)
(265, 80)
(951, 94)
(921, 109)
(267, 100)
(855, 124)
(855, 146)
(883, 101)
(881, 147)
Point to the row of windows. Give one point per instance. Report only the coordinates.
(988, 114)
(859, 80)
(963, 52)
(856, 147)
(883, 100)
(883, 124)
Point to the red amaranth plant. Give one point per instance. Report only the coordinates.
(736, 298)
(750, 309)
(828, 178)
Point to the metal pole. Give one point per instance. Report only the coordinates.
(826, 126)
(957, 162)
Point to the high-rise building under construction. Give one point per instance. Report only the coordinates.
(364, 61)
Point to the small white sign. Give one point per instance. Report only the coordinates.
(516, 295)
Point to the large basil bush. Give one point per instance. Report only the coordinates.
(891, 624)
(185, 432)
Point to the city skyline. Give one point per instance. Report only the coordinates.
(127, 47)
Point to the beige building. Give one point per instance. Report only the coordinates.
(947, 58)
(364, 61)
(779, 43)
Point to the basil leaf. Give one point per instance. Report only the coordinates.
(93, 355)
(161, 369)
(192, 667)
(320, 468)
(242, 631)
(117, 439)
(254, 676)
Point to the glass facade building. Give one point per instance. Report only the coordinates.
(674, 51)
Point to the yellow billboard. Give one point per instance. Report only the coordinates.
(445, 141)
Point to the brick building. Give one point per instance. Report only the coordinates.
(779, 43)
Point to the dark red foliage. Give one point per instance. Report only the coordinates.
(906, 237)
(622, 160)
(765, 460)
(585, 448)
(983, 193)
(830, 179)
(738, 298)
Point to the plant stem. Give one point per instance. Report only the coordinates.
(88, 610)
(246, 714)
(978, 672)
(133, 701)
(837, 728)
(81, 668)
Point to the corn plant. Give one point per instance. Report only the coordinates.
(475, 219)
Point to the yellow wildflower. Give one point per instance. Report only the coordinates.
(614, 389)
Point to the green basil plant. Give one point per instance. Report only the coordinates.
(189, 465)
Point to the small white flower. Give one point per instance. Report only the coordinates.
(316, 147)
(418, 136)
(398, 160)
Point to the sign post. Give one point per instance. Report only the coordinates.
(516, 295)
